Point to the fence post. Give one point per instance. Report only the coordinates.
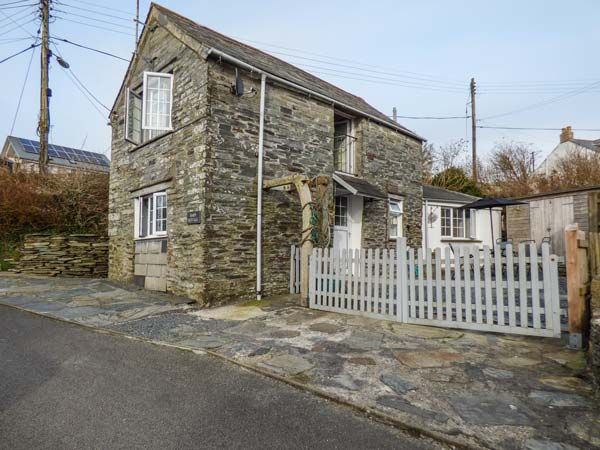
(401, 280)
(577, 283)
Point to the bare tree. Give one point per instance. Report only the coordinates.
(578, 168)
(510, 171)
(452, 154)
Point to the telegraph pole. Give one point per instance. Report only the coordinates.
(473, 131)
(44, 123)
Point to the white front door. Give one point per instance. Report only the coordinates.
(347, 229)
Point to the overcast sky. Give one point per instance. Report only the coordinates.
(537, 56)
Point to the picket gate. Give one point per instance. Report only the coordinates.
(505, 290)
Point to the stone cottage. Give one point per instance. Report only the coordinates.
(200, 121)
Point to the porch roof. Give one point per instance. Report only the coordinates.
(358, 186)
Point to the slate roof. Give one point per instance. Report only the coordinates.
(587, 143)
(73, 158)
(445, 195)
(359, 186)
(273, 65)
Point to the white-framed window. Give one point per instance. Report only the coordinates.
(148, 110)
(344, 146)
(151, 215)
(457, 223)
(341, 211)
(395, 218)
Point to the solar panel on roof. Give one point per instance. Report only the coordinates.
(71, 154)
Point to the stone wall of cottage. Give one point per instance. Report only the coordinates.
(208, 164)
(391, 161)
(175, 161)
(298, 140)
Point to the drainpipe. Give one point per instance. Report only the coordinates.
(426, 225)
(259, 188)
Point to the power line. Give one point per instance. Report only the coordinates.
(362, 64)
(546, 102)
(94, 26)
(13, 3)
(22, 15)
(376, 78)
(80, 82)
(32, 46)
(128, 19)
(536, 128)
(2, 8)
(89, 48)
(432, 117)
(92, 18)
(21, 94)
(103, 7)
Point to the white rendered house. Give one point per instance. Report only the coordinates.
(445, 223)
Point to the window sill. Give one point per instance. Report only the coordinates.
(151, 238)
(150, 141)
(474, 240)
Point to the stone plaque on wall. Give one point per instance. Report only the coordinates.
(193, 217)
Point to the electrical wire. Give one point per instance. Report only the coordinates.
(3, 8)
(94, 26)
(362, 64)
(103, 7)
(14, 16)
(88, 48)
(32, 46)
(128, 19)
(535, 128)
(80, 82)
(432, 117)
(93, 18)
(21, 94)
(544, 103)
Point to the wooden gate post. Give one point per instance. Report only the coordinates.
(577, 283)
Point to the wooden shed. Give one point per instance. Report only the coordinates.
(546, 216)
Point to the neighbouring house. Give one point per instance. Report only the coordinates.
(445, 223)
(23, 154)
(545, 216)
(211, 140)
(567, 145)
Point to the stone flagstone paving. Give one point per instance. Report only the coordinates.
(486, 390)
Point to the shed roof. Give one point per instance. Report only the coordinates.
(274, 66)
(446, 195)
(73, 158)
(359, 186)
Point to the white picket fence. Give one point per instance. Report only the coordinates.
(499, 291)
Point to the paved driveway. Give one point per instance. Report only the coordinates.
(64, 387)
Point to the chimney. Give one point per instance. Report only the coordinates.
(566, 134)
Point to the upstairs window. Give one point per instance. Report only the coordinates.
(395, 218)
(151, 215)
(343, 146)
(148, 110)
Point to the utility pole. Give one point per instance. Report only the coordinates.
(395, 114)
(137, 22)
(473, 131)
(44, 124)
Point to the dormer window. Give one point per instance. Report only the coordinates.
(148, 110)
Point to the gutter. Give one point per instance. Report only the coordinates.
(239, 63)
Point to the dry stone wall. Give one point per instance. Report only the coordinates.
(76, 255)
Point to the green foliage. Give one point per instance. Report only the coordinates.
(56, 203)
(455, 179)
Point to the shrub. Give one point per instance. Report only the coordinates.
(56, 203)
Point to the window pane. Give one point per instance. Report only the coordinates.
(341, 211)
(446, 222)
(458, 224)
(144, 211)
(134, 117)
(158, 102)
(161, 213)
